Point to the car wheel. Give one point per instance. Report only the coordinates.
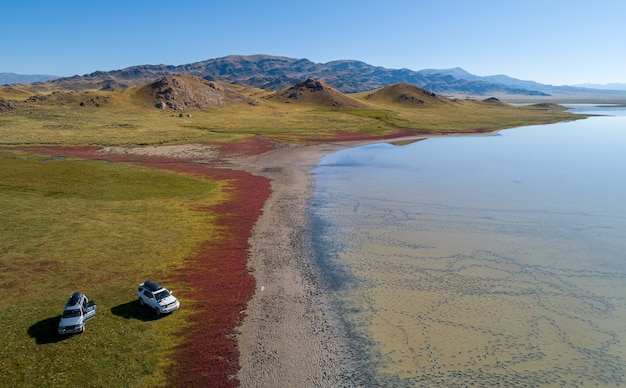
(141, 302)
(157, 311)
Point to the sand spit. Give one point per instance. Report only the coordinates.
(288, 338)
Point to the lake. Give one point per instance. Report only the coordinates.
(480, 260)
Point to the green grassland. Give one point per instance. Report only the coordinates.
(101, 229)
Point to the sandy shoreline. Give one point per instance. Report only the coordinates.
(288, 337)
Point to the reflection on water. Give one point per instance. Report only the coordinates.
(495, 260)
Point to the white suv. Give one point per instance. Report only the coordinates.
(158, 298)
(77, 311)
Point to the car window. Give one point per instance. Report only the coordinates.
(162, 295)
(148, 294)
(71, 313)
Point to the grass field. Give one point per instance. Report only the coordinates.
(98, 228)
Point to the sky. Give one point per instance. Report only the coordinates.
(557, 42)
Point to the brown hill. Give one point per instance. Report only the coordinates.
(182, 92)
(15, 92)
(546, 106)
(316, 93)
(405, 94)
(492, 100)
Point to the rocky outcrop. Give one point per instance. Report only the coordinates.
(6, 105)
(184, 92)
(96, 101)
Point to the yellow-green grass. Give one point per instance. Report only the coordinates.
(98, 228)
(129, 117)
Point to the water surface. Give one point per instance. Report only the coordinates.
(487, 260)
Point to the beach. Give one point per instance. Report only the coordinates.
(289, 336)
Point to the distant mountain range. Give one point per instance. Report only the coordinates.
(275, 73)
(12, 78)
(612, 86)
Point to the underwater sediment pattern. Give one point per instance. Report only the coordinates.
(440, 289)
(429, 298)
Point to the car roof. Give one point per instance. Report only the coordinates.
(74, 299)
(152, 285)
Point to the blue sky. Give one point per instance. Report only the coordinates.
(556, 42)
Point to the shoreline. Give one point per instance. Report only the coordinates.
(289, 337)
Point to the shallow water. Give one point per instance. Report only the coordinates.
(492, 260)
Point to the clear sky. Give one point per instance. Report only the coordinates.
(559, 42)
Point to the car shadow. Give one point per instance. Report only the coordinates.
(133, 310)
(46, 331)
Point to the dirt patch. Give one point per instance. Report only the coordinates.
(182, 151)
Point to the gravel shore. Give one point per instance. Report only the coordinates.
(289, 337)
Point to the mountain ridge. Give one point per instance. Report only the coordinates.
(274, 73)
(277, 72)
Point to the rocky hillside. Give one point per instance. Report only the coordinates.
(182, 92)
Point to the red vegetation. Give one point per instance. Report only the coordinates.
(220, 283)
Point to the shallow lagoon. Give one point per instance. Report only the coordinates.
(492, 260)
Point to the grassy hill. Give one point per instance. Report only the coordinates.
(406, 95)
(316, 94)
(151, 113)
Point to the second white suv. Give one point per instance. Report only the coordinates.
(158, 298)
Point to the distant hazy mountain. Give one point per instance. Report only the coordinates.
(12, 78)
(348, 76)
(612, 86)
